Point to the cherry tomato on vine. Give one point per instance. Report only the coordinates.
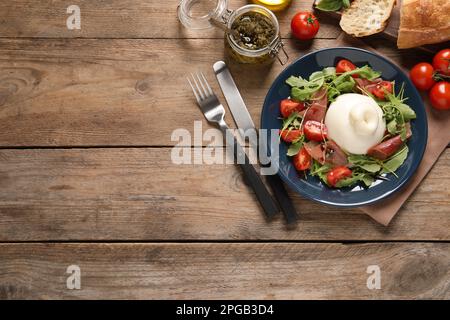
(441, 61)
(304, 25)
(422, 76)
(440, 95)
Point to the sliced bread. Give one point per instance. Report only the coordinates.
(366, 17)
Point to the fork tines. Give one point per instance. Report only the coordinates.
(202, 90)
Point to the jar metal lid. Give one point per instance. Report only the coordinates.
(198, 14)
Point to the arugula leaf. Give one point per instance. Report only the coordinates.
(316, 76)
(302, 89)
(329, 72)
(297, 81)
(371, 167)
(356, 177)
(350, 180)
(368, 180)
(364, 162)
(299, 94)
(296, 123)
(329, 5)
(289, 120)
(333, 93)
(320, 170)
(346, 86)
(364, 72)
(397, 102)
(406, 111)
(403, 133)
(295, 147)
(392, 126)
(394, 162)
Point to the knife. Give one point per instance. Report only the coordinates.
(244, 122)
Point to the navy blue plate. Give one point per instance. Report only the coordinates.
(312, 187)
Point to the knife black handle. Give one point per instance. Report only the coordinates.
(283, 198)
(279, 191)
(255, 181)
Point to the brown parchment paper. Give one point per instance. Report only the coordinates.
(438, 139)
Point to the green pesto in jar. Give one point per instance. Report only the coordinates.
(256, 30)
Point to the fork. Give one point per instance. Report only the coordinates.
(214, 112)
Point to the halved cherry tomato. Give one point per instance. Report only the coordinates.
(345, 66)
(287, 106)
(440, 95)
(302, 160)
(422, 76)
(338, 174)
(304, 25)
(290, 135)
(380, 89)
(315, 131)
(441, 61)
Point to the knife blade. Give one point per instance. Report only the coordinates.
(244, 122)
(234, 99)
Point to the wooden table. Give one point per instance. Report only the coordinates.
(86, 178)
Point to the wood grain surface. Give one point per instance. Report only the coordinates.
(119, 19)
(225, 271)
(86, 118)
(138, 194)
(104, 92)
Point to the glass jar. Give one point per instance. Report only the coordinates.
(205, 14)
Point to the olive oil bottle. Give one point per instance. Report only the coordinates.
(273, 5)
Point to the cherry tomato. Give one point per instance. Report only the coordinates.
(287, 106)
(290, 135)
(422, 76)
(441, 61)
(345, 66)
(380, 89)
(315, 130)
(440, 95)
(302, 160)
(338, 174)
(304, 25)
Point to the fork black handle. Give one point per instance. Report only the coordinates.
(255, 181)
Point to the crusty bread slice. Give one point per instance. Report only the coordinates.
(366, 17)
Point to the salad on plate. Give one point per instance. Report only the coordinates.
(346, 125)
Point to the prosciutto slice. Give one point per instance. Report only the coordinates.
(318, 107)
(316, 151)
(366, 84)
(334, 155)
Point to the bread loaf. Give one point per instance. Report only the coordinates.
(423, 22)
